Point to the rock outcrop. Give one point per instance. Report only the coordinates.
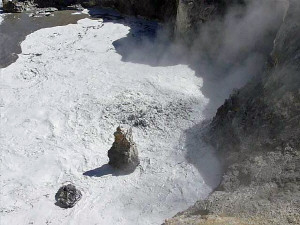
(191, 13)
(15, 6)
(157, 9)
(153, 9)
(123, 154)
(67, 196)
(55, 3)
(257, 133)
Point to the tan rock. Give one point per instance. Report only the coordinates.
(123, 154)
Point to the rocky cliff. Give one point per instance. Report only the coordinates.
(153, 9)
(257, 133)
(192, 13)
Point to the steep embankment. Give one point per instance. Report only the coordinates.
(157, 9)
(257, 132)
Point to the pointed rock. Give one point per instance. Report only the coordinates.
(123, 154)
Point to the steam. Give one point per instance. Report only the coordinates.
(238, 44)
(226, 52)
(238, 41)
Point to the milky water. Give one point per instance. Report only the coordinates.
(17, 26)
(61, 101)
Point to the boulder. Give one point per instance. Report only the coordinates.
(13, 6)
(67, 196)
(123, 154)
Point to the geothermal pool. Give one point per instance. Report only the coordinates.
(61, 101)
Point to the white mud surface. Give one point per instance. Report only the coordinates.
(61, 102)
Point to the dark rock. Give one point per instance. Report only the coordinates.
(54, 3)
(154, 9)
(162, 10)
(192, 13)
(89, 4)
(123, 154)
(13, 6)
(67, 196)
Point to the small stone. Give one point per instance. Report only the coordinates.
(67, 196)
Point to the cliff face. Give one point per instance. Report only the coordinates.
(54, 3)
(154, 9)
(186, 14)
(191, 13)
(17, 6)
(257, 133)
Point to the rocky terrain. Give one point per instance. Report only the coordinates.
(163, 10)
(256, 131)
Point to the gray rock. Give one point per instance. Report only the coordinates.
(89, 3)
(162, 10)
(67, 196)
(123, 154)
(192, 13)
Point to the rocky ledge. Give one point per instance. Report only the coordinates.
(257, 134)
(14, 6)
(162, 10)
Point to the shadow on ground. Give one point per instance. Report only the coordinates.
(147, 42)
(104, 170)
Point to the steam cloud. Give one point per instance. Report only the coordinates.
(231, 49)
(238, 44)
